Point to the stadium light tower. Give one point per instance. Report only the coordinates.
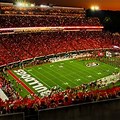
(19, 4)
(44, 6)
(24, 4)
(32, 5)
(95, 8)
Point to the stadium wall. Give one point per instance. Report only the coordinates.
(103, 110)
(12, 116)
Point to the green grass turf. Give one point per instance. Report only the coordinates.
(69, 73)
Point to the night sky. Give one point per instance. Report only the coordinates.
(104, 4)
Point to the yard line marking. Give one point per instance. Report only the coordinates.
(84, 71)
(58, 74)
(66, 83)
(48, 78)
(51, 65)
(61, 66)
(89, 76)
(38, 78)
(40, 68)
(76, 73)
(78, 79)
(63, 77)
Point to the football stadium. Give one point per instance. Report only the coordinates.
(57, 63)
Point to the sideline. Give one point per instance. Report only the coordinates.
(22, 83)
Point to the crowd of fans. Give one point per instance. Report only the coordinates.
(7, 88)
(64, 11)
(18, 47)
(116, 39)
(45, 20)
(5, 55)
(76, 95)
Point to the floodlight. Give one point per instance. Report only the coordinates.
(26, 5)
(97, 7)
(32, 5)
(44, 6)
(92, 8)
(19, 4)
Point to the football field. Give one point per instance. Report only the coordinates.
(64, 74)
